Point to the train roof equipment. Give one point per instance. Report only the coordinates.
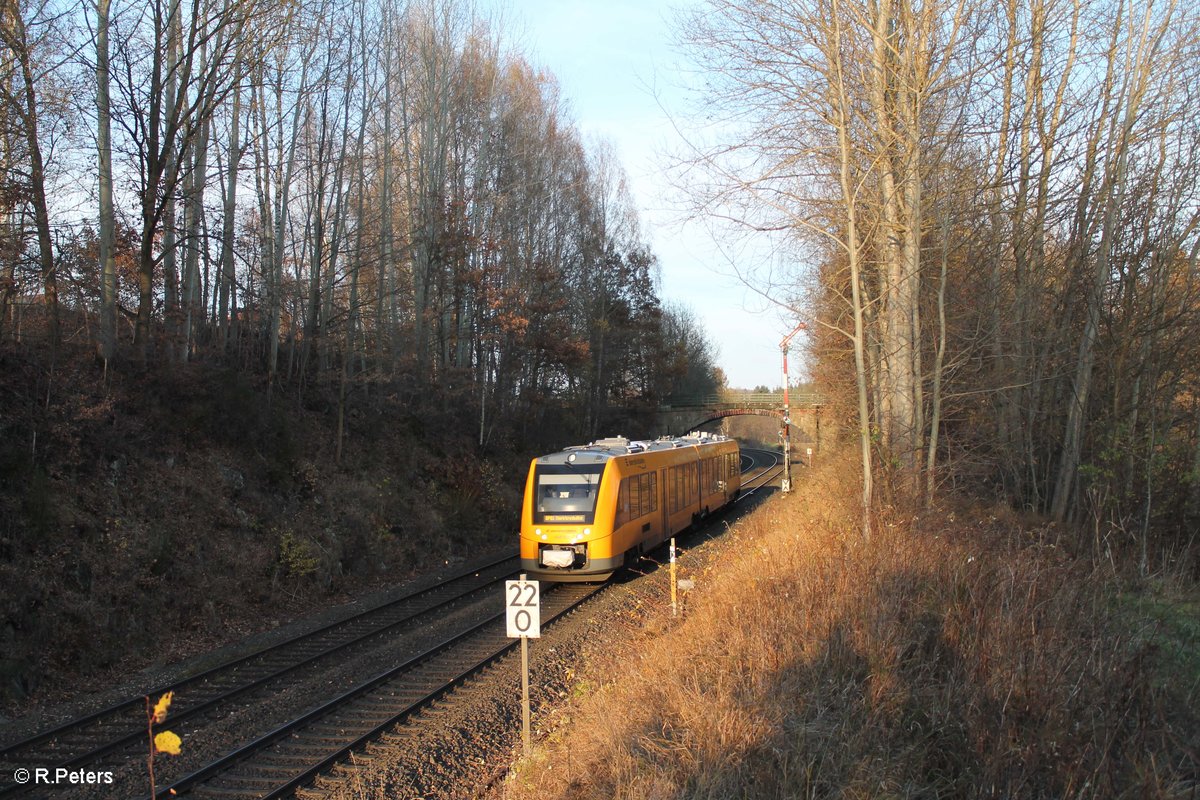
(602, 450)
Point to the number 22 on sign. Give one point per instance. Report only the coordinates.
(522, 607)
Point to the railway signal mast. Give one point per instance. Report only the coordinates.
(787, 412)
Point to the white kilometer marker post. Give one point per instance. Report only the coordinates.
(523, 615)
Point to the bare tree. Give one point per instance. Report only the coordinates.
(21, 99)
(1132, 61)
(171, 90)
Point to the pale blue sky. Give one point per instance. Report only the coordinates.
(611, 58)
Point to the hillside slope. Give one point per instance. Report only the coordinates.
(966, 653)
(161, 514)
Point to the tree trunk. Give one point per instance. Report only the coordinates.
(283, 193)
(385, 325)
(16, 39)
(172, 160)
(935, 414)
(108, 267)
(1140, 60)
(842, 116)
(193, 297)
(227, 304)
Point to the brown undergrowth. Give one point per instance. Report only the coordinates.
(957, 655)
(148, 516)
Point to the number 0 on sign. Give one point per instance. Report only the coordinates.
(522, 607)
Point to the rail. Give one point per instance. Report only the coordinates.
(289, 757)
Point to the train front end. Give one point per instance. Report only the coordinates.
(567, 517)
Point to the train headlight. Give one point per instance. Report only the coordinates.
(587, 531)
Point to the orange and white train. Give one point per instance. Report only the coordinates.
(592, 508)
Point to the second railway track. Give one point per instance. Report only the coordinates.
(760, 469)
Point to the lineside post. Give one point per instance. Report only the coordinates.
(525, 694)
(523, 617)
(674, 583)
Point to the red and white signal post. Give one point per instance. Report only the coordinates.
(787, 413)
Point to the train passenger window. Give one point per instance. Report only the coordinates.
(637, 498)
(623, 505)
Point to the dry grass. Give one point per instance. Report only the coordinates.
(966, 656)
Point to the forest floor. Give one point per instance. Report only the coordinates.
(150, 516)
(967, 652)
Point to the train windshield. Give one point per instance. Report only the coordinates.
(566, 493)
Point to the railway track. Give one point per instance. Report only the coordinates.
(278, 762)
(760, 468)
(121, 728)
(289, 757)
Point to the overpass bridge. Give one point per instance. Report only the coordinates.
(682, 414)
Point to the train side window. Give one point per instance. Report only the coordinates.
(622, 504)
(676, 486)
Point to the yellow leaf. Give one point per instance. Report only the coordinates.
(167, 742)
(160, 708)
